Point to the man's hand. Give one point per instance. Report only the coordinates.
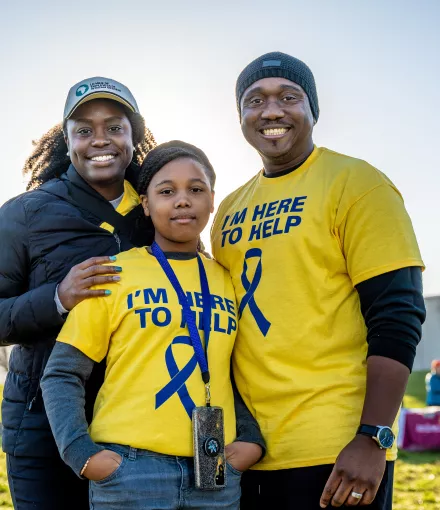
(102, 464)
(359, 468)
(242, 456)
(76, 285)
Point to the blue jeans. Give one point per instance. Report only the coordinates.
(152, 481)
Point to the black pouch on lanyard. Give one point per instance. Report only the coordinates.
(209, 448)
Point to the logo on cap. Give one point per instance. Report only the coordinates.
(81, 90)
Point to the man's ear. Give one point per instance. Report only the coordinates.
(144, 202)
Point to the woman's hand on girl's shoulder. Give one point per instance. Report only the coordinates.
(242, 456)
(102, 465)
(76, 285)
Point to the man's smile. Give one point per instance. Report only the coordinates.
(274, 132)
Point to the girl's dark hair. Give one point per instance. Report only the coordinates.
(167, 152)
(49, 158)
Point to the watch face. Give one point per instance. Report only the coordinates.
(386, 437)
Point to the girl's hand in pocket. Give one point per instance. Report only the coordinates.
(102, 465)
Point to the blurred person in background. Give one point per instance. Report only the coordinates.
(327, 274)
(432, 381)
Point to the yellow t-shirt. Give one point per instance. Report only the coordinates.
(129, 201)
(140, 329)
(296, 246)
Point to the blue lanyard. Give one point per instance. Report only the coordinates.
(201, 354)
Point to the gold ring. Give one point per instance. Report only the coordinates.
(356, 495)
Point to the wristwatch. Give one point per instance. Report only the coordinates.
(383, 436)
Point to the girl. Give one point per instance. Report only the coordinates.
(139, 448)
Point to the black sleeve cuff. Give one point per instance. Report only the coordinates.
(394, 349)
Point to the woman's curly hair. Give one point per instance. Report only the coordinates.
(49, 158)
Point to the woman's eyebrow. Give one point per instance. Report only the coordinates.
(82, 119)
(114, 117)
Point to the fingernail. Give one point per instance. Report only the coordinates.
(107, 292)
(112, 258)
(116, 278)
(118, 269)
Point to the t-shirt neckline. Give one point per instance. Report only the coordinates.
(262, 179)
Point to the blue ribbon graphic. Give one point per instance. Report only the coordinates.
(178, 377)
(250, 287)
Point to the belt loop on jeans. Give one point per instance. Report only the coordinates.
(132, 453)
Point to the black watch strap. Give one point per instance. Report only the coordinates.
(368, 430)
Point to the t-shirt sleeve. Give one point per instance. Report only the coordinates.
(377, 236)
(88, 327)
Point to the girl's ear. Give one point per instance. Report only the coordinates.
(212, 201)
(144, 201)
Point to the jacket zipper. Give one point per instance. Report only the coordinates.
(118, 240)
(38, 392)
(31, 403)
(34, 399)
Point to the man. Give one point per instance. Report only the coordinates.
(327, 273)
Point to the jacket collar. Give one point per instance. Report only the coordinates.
(53, 186)
(130, 200)
(74, 177)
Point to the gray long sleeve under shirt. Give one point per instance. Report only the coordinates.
(63, 390)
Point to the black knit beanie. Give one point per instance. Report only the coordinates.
(278, 65)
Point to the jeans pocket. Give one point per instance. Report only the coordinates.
(114, 474)
(232, 470)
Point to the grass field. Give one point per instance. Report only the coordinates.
(5, 497)
(417, 475)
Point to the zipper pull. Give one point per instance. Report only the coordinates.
(31, 403)
(118, 240)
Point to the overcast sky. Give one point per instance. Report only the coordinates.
(376, 65)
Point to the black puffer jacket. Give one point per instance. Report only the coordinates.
(43, 234)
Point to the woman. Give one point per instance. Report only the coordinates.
(81, 203)
(152, 383)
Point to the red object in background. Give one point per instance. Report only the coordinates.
(420, 429)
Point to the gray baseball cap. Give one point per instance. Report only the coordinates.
(98, 88)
